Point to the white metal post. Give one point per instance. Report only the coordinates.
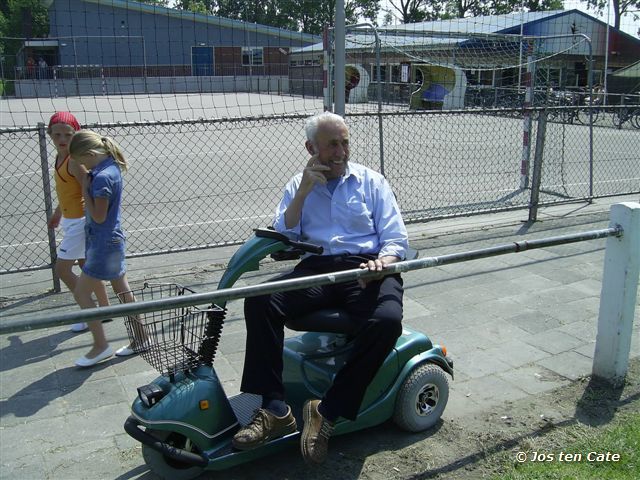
(606, 53)
(339, 58)
(618, 296)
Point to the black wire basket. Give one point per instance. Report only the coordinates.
(176, 339)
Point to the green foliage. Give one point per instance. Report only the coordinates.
(308, 16)
(3, 25)
(158, 3)
(277, 13)
(11, 25)
(618, 7)
(411, 11)
(206, 7)
(543, 5)
(14, 22)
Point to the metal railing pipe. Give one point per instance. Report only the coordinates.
(30, 322)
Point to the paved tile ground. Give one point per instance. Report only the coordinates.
(517, 325)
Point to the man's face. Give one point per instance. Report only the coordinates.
(332, 148)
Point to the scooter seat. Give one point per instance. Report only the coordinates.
(330, 320)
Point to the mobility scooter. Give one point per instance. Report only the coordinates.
(185, 421)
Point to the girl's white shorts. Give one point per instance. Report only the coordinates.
(72, 246)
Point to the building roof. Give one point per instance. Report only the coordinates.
(475, 25)
(209, 19)
(449, 33)
(631, 71)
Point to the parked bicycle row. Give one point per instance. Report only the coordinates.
(573, 107)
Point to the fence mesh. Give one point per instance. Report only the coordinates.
(206, 183)
(210, 113)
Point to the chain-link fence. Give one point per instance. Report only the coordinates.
(449, 112)
(204, 183)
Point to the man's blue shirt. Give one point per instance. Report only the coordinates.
(361, 216)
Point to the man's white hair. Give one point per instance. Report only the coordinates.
(311, 127)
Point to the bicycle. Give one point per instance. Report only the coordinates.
(627, 113)
(581, 111)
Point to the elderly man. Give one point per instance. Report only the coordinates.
(349, 210)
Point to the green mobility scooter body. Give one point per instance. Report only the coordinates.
(185, 421)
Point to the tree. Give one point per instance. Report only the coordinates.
(18, 11)
(308, 16)
(500, 7)
(426, 10)
(157, 3)
(20, 19)
(619, 7)
(412, 11)
(467, 8)
(276, 13)
(388, 18)
(543, 5)
(206, 7)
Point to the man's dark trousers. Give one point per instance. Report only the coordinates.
(377, 309)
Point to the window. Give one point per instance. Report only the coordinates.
(395, 73)
(486, 77)
(252, 56)
(549, 76)
(374, 72)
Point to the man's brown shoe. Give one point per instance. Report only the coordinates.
(315, 435)
(264, 427)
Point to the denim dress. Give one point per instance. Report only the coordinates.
(105, 242)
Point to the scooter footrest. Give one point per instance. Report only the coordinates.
(244, 406)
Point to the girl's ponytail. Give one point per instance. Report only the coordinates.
(114, 150)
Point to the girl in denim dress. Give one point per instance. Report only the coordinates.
(105, 240)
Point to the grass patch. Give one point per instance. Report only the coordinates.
(546, 456)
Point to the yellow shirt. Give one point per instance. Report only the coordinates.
(69, 191)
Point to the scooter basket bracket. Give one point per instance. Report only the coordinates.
(177, 339)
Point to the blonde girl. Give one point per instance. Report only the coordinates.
(69, 213)
(105, 240)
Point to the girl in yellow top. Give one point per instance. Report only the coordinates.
(69, 214)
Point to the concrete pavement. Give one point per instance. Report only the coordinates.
(517, 325)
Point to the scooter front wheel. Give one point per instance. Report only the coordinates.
(422, 398)
(169, 468)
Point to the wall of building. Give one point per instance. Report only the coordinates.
(151, 85)
(106, 34)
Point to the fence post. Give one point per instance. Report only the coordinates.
(529, 79)
(326, 80)
(339, 58)
(618, 296)
(536, 179)
(46, 190)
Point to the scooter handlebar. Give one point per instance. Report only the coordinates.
(304, 246)
(307, 247)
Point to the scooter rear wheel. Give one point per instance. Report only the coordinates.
(422, 398)
(166, 467)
